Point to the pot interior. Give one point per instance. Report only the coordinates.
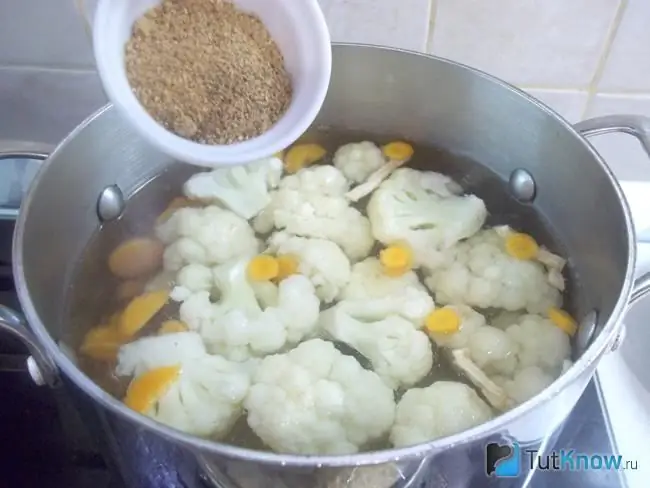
(93, 294)
(460, 122)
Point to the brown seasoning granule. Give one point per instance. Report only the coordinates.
(207, 71)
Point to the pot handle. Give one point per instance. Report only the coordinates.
(639, 127)
(40, 365)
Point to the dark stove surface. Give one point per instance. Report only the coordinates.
(45, 443)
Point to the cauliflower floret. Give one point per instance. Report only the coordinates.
(315, 400)
(399, 354)
(525, 384)
(410, 304)
(242, 189)
(208, 235)
(266, 292)
(358, 160)
(152, 352)
(312, 203)
(541, 343)
(192, 279)
(493, 350)
(369, 282)
(470, 322)
(480, 273)
(237, 327)
(195, 278)
(442, 409)
(477, 350)
(494, 358)
(322, 261)
(426, 210)
(206, 399)
(542, 352)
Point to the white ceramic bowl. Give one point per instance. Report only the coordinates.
(297, 26)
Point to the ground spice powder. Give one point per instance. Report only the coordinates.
(207, 71)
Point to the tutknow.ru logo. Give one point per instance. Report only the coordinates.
(506, 460)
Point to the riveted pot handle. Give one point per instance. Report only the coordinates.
(634, 125)
(40, 365)
(639, 127)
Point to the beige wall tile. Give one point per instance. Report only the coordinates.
(628, 63)
(570, 104)
(45, 105)
(43, 32)
(397, 23)
(552, 43)
(622, 152)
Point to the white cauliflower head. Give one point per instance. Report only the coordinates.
(540, 343)
(243, 189)
(480, 273)
(320, 260)
(426, 210)
(405, 295)
(191, 279)
(442, 409)
(525, 384)
(315, 400)
(400, 354)
(312, 203)
(152, 352)
(493, 350)
(209, 235)
(207, 397)
(238, 327)
(358, 160)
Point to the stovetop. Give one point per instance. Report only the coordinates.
(48, 444)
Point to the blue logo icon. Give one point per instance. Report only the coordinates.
(502, 460)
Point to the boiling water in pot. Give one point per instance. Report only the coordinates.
(95, 292)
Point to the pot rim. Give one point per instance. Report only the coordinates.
(205, 446)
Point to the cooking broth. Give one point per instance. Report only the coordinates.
(93, 291)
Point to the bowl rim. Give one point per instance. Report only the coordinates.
(299, 115)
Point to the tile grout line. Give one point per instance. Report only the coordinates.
(48, 67)
(625, 93)
(604, 56)
(575, 89)
(558, 89)
(433, 10)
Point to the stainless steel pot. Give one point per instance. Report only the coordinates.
(385, 91)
